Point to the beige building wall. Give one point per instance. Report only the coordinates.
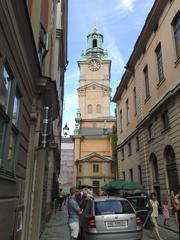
(164, 98)
(100, 146)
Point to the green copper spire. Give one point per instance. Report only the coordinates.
(95, 48)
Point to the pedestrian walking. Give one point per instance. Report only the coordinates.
(165, 211)
(61, 198)
(154, 214)
(176, 206)
(74, 211)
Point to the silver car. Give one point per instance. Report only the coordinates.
(111, 218)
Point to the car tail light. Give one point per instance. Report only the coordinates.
(91, 222)
(138, 220)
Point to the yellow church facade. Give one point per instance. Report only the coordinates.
(92, 136)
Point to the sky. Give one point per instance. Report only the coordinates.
(120, 21)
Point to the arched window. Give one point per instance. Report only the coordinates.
(98, 108)
(89, 108)
(94, 43)
(154, 172)
(171, 168)
(154, 168)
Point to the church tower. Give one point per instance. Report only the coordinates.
(92, 136)
(94, 84)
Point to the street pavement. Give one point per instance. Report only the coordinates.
(164, 233)
(57, 228)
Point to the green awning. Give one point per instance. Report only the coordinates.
(122, 185)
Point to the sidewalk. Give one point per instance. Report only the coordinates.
(171, 223)
(57, 228)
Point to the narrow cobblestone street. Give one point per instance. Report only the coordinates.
(57, 229)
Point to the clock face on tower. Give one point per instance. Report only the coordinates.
(94, 65)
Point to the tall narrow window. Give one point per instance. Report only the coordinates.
(127, 112)
(146, 81)
(165, 120)
(151, 131)
(140, 173)
(10, 103)
(137, 143)
(124, 175)
(98, 108)
(120, 118)
(16, 108)
(135, 104)
(43, 48)
(160, 62)
(89, 108)
(129, 149)
(94, 43)
(176, 29)
(131, 174)
(122, 154)
(95, 167)
(5, 87)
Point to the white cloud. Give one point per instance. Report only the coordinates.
(126, 5)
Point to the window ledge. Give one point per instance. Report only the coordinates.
(150, 140)
(129, 155)
(177, 62)
(165, 130)
(161, 82)
(6, 176)
(147, 99)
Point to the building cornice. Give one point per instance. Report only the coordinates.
(107, 119)
(95, 177)
(104, 87)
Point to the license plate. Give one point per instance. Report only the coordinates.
(116, 224)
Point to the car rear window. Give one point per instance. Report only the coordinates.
(138, 202)
(113, 207)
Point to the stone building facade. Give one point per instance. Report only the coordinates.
(28, 107)
(93, 153)
(148, 104)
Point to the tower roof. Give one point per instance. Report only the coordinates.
(95, 48)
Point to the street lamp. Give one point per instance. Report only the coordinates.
(65, 130)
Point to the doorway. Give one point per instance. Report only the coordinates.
(96, 187)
